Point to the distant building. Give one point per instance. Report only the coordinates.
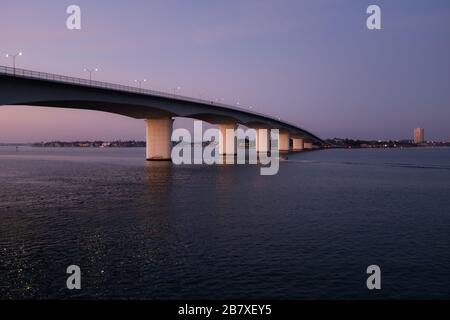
(419, 136)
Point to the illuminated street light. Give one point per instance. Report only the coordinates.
(14, 56)
(90, 72)
(140, 83)
(175, 90)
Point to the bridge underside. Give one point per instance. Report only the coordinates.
(157, 110)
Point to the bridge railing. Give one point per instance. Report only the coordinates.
(24, 73)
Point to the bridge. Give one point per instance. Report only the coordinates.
(33, 88)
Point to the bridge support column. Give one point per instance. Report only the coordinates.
(283, 141)
(297, 144)
(227, 142)
(308, 145)
(262, 140)
(159, 144)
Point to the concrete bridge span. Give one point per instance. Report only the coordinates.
(26, 87)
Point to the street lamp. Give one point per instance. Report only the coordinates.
(14, 56)
(90, 72)
(140, 83)
(175, 90)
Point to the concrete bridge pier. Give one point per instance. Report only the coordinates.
(227, 142)
(283, 141)
(159, 144)
(308, 145)
(262, 142)
(297, 144)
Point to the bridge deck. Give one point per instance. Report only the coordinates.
(37, 75)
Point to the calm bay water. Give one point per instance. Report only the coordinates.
(155, 230)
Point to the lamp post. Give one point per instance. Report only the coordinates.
(140, 83)
(90, 73)
(175, 90)
(14, 56)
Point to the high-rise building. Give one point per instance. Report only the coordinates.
(419, 136)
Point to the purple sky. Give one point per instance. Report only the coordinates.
(313, 62)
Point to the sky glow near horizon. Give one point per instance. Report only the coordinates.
(313, 63)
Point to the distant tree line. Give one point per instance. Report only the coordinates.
(90, 144)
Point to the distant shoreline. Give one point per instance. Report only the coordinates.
(335, 143)
(79, 144)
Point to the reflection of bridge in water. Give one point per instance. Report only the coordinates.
(25, 87)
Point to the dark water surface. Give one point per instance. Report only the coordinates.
(155, 230)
